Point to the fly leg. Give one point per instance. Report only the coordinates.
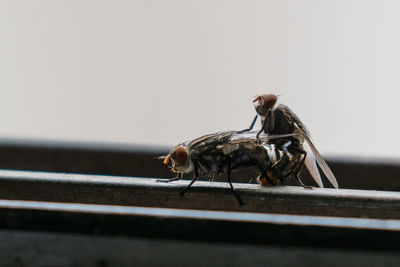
(268, 125)
(258, 140)
(230, 183)
(196, 175)
(251, 125)
(178, 177)
(212, 176)
(285, 147)
(297, 169)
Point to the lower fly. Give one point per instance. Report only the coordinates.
(227, 151)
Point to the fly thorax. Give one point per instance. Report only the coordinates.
(245, 158)
(248, 146)
(228, 149)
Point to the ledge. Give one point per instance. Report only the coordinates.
(140, 161)
(146, 192)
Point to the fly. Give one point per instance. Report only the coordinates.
(224, 152)
(276, 152)
(282, 120)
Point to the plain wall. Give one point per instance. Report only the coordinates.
(164, 71)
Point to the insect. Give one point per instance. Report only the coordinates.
(275, 152)
(224, 152)
(282, 120)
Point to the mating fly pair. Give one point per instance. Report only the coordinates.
(276, 152)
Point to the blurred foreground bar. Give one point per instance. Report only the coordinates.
(60, 234)
(140, 161)
(113, 190)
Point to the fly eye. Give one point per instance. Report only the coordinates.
(268, 101)
(181, 155)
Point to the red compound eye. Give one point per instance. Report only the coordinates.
(181, 155)
(268, 101)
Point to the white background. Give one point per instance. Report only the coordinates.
(163, 71)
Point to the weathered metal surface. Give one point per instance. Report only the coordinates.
(22, 185)
(139, 161)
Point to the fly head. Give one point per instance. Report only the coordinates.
(264, 103)
(178, 160)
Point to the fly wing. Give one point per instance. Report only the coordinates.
(246, 136)
(312, 168)
(208, 142)
(301, 128)
(243, 136)
(276, 136)
(321, 162)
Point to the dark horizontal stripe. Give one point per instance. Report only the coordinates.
(232, 227)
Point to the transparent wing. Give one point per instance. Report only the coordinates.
(321, 162)
(208, 139)
(207, 142)
(276, 136)
(306, 135)
(246, 136)
(311, 165)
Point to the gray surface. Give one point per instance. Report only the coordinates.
(19, 248)
(203, 195)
